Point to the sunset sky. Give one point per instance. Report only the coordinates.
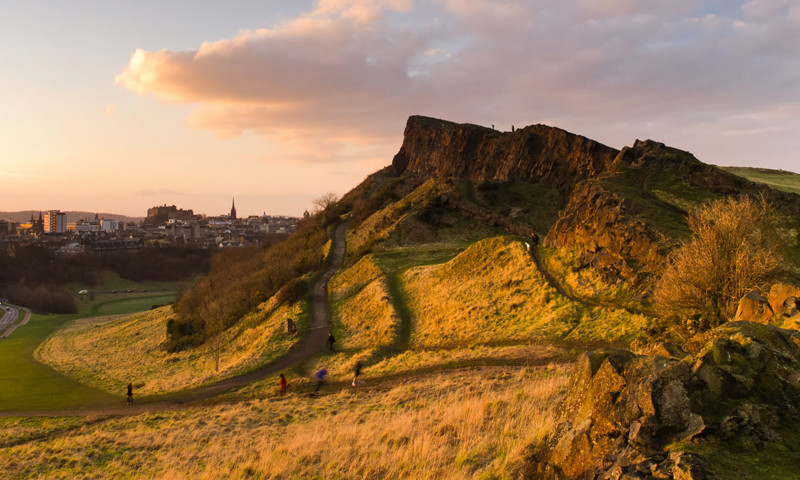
(119, 106)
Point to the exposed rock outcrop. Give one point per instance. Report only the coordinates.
(784, 299)
(435, 148)
(622, 410)
(753, 307)
(616, 245)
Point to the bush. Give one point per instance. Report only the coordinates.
(40, 299)
(292, 292)
(735, 249)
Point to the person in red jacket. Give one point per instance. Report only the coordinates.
(282, 384)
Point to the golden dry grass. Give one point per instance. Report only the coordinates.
(367, 319)
(350, 280)
(380, 225)
(109, 352)
(463, 424)
(493, 292)
(564, 264)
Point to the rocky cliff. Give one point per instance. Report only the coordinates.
(540, 154)
(594, 187)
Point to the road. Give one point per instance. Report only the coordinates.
(8, 322)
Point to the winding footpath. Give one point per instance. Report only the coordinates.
(312, 344)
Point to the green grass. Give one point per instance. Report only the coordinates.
(128, 304)
(534, 204)
(777, 179)
(659, 198)
(28, 385)
(740, 459)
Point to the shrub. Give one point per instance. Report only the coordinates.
(735, 249)
(292, 292)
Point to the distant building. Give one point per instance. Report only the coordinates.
(233, 209)
(161, 215)
(109, 225)
(54, 222)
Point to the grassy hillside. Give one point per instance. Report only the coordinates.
(493, 293)
(434, 426)
(778, 179)
(27, 385)
(108, 352)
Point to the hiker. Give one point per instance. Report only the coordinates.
(534, 239)
(129, 396)
(330, 341)
(282, 384)
(356, 372)
(291, 328)
(513, 129)
(320, 376)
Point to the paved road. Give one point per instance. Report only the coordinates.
(10, 316)
(23, 321)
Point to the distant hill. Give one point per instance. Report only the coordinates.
(778, 179)
(72, 216)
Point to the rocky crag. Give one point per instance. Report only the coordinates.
(593, 218)
(631, 416)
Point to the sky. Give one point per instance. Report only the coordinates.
(120, 106)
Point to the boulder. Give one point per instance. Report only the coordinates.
(624, 413)
(783, 298)
(753, 307)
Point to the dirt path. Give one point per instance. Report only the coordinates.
(311, 344)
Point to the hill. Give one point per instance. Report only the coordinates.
(462, 325)
(778, 179)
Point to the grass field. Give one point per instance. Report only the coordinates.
(108, 352)
(431, 426)
(28, 385)
(777, 179)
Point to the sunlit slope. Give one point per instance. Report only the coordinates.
(777, 179)
(109, 352)
(492, 292)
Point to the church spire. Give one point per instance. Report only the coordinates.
(233, 209)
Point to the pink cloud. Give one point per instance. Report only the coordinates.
(346, 75)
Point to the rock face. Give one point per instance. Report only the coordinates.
(754, 308)
(622, 410)
(435, 149)
(616, 245)
(592, 218)
(784, 299)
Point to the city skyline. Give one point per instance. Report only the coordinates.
(121, 107)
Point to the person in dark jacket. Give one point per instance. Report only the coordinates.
(330, 341)
(129, 396)
(356, 372)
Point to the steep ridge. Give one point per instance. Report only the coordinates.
(625, 209)
(540, 154)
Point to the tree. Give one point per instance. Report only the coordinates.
(735, 249)
(325, 201)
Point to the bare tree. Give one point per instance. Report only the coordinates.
(325, 201)
(735, 249)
